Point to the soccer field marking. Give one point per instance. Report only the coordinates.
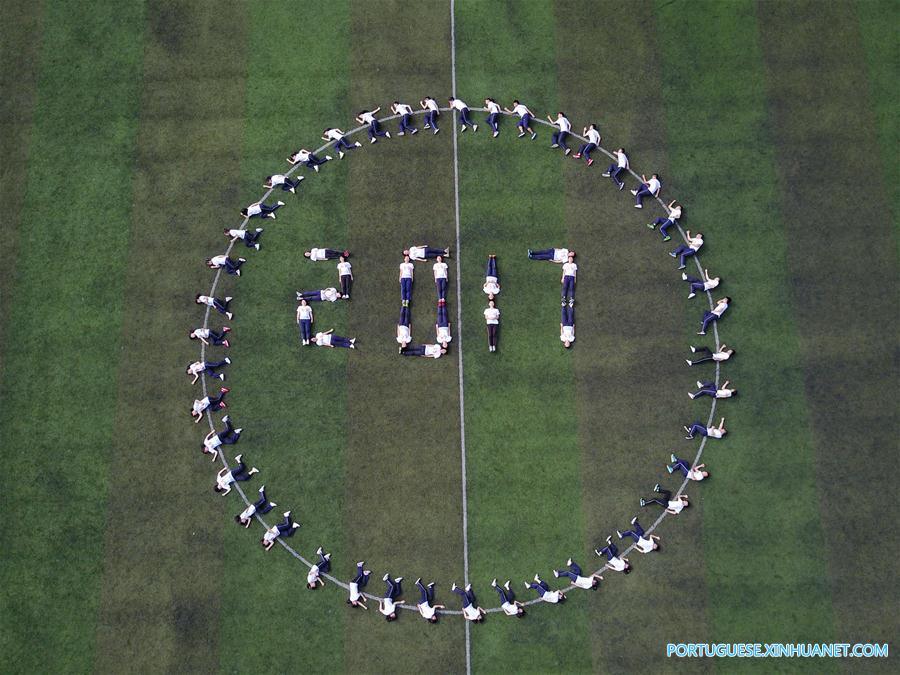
(454, 612)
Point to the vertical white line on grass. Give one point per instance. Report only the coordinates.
(459, 354)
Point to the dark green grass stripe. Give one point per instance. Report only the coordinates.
(20, 40)
(852, 423)
(522, 442)
(633, 320)
(402, 505)
(58, 394)
(290, 400)
(192, 96)
(763, 541)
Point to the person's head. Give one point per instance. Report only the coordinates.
(440, 258)
(560, 114)
(307, 254)
(238, 520)
(592, 126)
(491, 301)
(571, 257)
(303, 302)
(192, 335)
(391, 617)
(443, 350)
(656, 176)
(218, 489)
(225, 231)
(209, 262)
(450, 99)
(405, 252)
(515, 102)
(562, 597)
(433, 619)
(396, 103)
(313, 339)
(406, 257)
(595, 584)
(621, 150)
(197, 298)
(726, 299)
(188, 369)
(480, 619)
(572, 254)
(311, 587)
(244, 212)
(342, 259)
(567, 344)
(520, 612)
(345, 253)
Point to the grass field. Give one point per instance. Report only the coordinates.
(132, 133)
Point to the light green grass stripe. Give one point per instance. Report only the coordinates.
(521, 435)
(58, 395)
(290, 401)
(763, 539)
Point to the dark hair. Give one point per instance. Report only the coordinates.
(237, 518)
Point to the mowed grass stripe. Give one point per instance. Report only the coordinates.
(20, 41)
(521, 434)
(191, 110)
(634, 325)
(290, 400)
(847, 391)
(402, 505)
(762, 496)
(58, 393)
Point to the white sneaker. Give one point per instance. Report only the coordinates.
(327, 159)
(373, 140)
(358, 144)
(340, 154)
(474, 127)
(462, 129)
(387, 133)
(400, 133)
(495, 134)
(634, 192)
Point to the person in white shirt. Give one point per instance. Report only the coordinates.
(428, 351)
(564, 126)
(557, 255)
(710, 389)
(305, 320)
(442, 327)
(613, 561)
(648, 188)
(544, 591)
(707, 283)
(357, 599)
(493, 117)
(440, 277)
(261, 506)
(407, 270)
(525, 117)
(388, 604)
(249, 237)
(567, 326)
(723, 353)
(226, 477)
(642, 543)
(375, 131)
(283, 529)
(672, 506)
(574, 574)
(470, 609)
(230, 265)
(345, 275)
(322, 295)
(405, 113)
(208, 368)
(695, 473)
(319, 254)
(685, 251)
(491, 278)
(593, 142)
(462, 114)
(492, 319)
(711, 432)
(340, 143)
(304, 156)
(714, 314)
(329, 339)
(617, 168)
(673, 214)
(323, 566)
(208, 336)
(569, 271)
(403, 334)
(211, 403)
(432, 110)
(220, 306)
(216, 439)
(508, 602)
(425, 252)
(286, 183)
(426, 605)
(260, 210)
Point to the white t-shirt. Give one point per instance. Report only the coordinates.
(270, 535)
(509, 609)
(224, 480)
(417, 253)
(238, 234)
(440, 270)
(493, 107)
(721, 356)
(584, 582)
(212, 442)
(196, 367)
(317, 254)
(458, 104)
(570, 269)
(403, 109)
(202, 333)
(654, 185)
(695, 474)
(616, 564)
(443, 334)
(355, 595)
(560, 255)
(675, 213)
(277, 179)
(406, 270)
(426, 610)
(218, 260)
(491, 287)
(550, 596)
(387, 606)
(434, 351)
(724, 393)
(431, 104)
(471, 612)
(403, 335)
(313, 575)
(719, 309)
(710, 284)
(644, 545)
(563, 123)
(714, 432)
(695, 243)
(205, 300)
(367, 117)
(676, 505)
(329, 294)
(201, 404)
(323, 339)
(249, 512)
(253, 209)
(301, 156)
(334, 134)
(344, 269)
(622, 160)
(492, 315)
(304, 312)
(593, 136)
(521, 110)
(567, 334)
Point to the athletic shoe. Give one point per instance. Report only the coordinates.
(673, 254)
(621, 186)
(619, 533)
(225, 343)
(327, 159)
(454, 586)
(419, 580)
(693, 349)
(340, 154)
(358, 144)
(373, 140)
(319, 551)
(414, 131)
(668, 468)
(462, 129)
(227, 360)
(681, 267)
(401, 133)
(386, 577)
(280, 203)
(605, 174)
(568, 150)
(702, 332)
(667, 238)
(555, 145)
(609, 539)
(520, 135)
(590, 161)
(224, 390)
(656, 487)
(634, 192)
(494, 583)
(529, 253)
(691, 295)
(427, 126)
(652, 226)
(474, 127)
(496, 133)
(643, 503)
(506, 585)
(316, 167)
(597, 550)
(634, 520)
(435, 131)
(398, 579)
(468, 588)
(237, 458)
(638, 206)
(237, 432)
(577, 155)
(556, 574)
(537, 579)
(226, 329)
(534, 135)
(256, 246)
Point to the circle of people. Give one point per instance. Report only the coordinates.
(228, 476)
